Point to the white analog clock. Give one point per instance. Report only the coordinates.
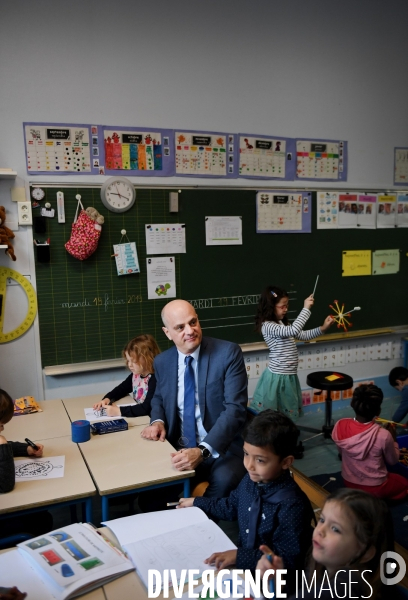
(118, 194)
(37, 193)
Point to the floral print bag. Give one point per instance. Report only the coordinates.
(85, 235)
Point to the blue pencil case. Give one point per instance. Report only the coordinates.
(109, 426)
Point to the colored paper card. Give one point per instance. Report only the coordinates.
(357, 210)
(386, 262)
(126, 258)
(327, 210)
(205, 154)
(321, 160)
(141, 151)
(165, 238)
(283, 211)
(62, 148)
(223, 231)
(402, 210)
(161, 277)
(267, 157)
(356, 262)
(386, 210)
(401, 166)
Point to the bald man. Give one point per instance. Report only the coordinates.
(221, 398)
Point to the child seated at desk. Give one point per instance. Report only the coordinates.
(270, 507)
(10, 449)
(398, 378)
(366, 447)
(139, 354)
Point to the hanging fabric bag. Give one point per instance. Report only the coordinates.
(85, 235)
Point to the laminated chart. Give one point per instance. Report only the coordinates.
(268, 157)
(401, 166)
(61, 148)
(321, 160)
(327, 208)
(205, 153)
(138, 151)
(283, 211)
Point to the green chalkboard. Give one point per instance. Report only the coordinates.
(87, 312)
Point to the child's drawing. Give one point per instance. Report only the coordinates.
(31, 469)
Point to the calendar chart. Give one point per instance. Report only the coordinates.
(210, 154)
(262, 157)
(321, 160)
(401, 166)
(283, 212)
(57, 148)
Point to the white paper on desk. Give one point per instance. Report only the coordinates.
(138, 527)
(16, 571)
(184, 548)
(31, 469)
(99, 414)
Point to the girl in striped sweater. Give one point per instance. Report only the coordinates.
(278, 387)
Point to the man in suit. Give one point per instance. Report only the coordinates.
(220, 394)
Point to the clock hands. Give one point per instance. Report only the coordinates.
(120, 195)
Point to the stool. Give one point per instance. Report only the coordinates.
(331, 381)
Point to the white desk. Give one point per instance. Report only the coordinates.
(76, 485)
(75, 408)
(52, 422)
(123, 462)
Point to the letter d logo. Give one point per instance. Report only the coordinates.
(390, 567)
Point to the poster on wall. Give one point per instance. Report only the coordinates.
(321, 160)
(266, 157)
(283, 211)
(401, 166)
(327, 210)
(63, 148)
(138, 151)
(205, 154)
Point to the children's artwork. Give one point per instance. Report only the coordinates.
(356, 262)
(402, 210)
(387, 210)
(341, 317)
(126, 258)
(99, 414)
(268, 157)
(165, 238)
(61, 148)
(208, 154)
(357, 210)
(401, 166)
(31, 469)
(327, 210)
(223, 231)
(138, 151)
(282, 211)
(323, 160)
(25, 406)
(386, 262)
(161, 277)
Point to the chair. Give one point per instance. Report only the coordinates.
(331, 381)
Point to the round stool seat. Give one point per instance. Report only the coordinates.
(329, 380)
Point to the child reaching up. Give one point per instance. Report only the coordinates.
(10, 449)
(278, 387)
(268, 504)
(366, 447)
(141, 383)
(353, 531)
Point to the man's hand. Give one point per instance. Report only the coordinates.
(187, 459)
(221, 560)
(37, 453)
(156, 432)
(185, 503)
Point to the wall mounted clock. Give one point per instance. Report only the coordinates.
(118, 194)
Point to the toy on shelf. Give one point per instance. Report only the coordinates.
(6, 234)
(340, 315)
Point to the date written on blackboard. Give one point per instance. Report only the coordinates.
(225, 301)
(104, 301)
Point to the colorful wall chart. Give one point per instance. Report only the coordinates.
(327, 210)
(208, 154)
(321, 160)
(138, 151)
(62, 148)
(283, 211)
(401, 166)
(266, 157)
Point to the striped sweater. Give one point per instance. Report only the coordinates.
(283, 354)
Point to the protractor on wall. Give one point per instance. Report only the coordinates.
(25, 324)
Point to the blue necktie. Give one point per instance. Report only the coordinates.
(189, 424)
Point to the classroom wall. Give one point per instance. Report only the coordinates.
(307, 69)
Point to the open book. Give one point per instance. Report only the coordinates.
(62, 564)
(178, 539)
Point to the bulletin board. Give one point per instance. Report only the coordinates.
(88, 313)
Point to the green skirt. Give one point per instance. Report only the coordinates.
(280, 392)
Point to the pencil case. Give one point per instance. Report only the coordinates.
(109, 426)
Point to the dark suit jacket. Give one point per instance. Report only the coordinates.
(222, 393)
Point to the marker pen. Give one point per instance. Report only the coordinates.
(30, 443)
